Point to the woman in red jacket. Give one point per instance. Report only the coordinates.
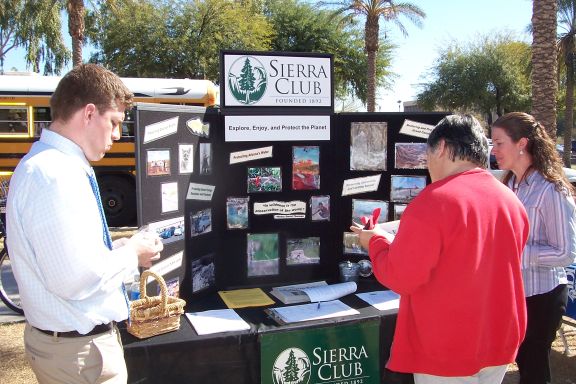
(455, 261)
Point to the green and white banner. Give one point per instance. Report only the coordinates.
(253, 79)
(342, 354)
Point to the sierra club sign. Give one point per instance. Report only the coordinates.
(282, 81)
(343, 354)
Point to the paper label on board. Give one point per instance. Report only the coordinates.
(360, 185)
(416, 129)
(160, 129)
(202, 192)
(250, 154)
(280, 207)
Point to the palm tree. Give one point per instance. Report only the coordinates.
(544, 81)
(373, 10)
(566, 50)
(76, 13)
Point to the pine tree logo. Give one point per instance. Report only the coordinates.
(292, 366)
(247, 80)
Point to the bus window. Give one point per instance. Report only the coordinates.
(13, 120)
(42, 119)
(128, 123)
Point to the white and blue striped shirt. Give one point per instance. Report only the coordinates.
(68, 279)
(551, 244)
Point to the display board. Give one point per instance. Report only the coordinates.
(263, 191)
(172, 151)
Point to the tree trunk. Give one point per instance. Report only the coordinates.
(371, 33)
(569, 113)
(76, 29)
(544, 83)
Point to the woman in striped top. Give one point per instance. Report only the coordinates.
(523, 148)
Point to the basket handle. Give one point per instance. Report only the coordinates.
(161, 284)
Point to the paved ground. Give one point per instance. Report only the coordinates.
(9, 316)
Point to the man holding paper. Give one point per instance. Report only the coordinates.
(455, 261)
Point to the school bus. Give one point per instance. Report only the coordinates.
(25, 111)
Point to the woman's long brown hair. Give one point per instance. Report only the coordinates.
(545, 158)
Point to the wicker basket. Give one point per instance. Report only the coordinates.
(151, 316)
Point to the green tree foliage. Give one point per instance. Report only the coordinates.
(36, 27)
(172, 38)
(491, 75)
(299, 27)
(372, 11)
(176, 39)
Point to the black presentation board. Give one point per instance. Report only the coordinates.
(168, 138)
(221, 253)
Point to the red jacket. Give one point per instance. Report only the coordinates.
(456, 264)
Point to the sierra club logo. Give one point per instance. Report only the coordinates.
(292, 366)
(247, 80)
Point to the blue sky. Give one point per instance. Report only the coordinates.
(446, 20)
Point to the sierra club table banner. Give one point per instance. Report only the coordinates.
(346, 354)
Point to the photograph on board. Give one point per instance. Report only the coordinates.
(158, 162)
(304, 250)
(320, 208)
(411, 156)
(404, 189)
(305, 167)
(264, 179)
(262, 254)
(186, 158)
(237, 212)
(368, 146)
(203, 273)
(201, 222)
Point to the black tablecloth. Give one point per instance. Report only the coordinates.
(234, 357)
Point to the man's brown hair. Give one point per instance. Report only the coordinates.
(88, 84)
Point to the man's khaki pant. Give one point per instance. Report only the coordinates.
(89, 359)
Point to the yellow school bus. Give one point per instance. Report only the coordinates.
(25, 111)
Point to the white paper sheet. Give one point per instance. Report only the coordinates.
(313, 311)
(220, 320)
(381, 300)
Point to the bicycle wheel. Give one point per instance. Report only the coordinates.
(8, 287)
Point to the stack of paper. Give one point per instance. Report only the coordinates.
(317, 291)
(381, 300)
(221, 320)
(314, 311)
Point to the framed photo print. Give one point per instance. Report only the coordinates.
(305, 167)
(237, 212)
(203, 273)
(361, 207)
(404, 189)
(201, 222)
(320, 208)
(262, 254)
(205, 158)
(172, 287)
(264, 179)
(352, 244)
(158, 162)
(399, 210)
(303, 251)
(411, 156)
(169, 194)
(186, 158)
(368, 142)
